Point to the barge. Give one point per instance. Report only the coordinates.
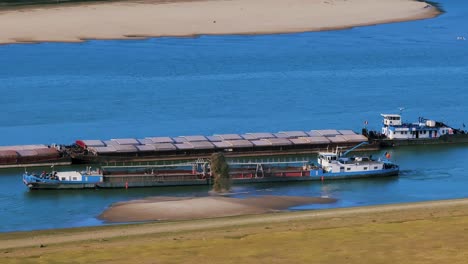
(331, 165)
(32, 155)
(232, 145)
(394, 132)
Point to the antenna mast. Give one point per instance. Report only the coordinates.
(401, 112)
(401, 109)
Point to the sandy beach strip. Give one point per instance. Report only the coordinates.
(166, 208)
(154, 18)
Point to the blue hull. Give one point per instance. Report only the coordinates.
(319, 175)
(315, 175)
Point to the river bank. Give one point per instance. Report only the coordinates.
(426, 232)
(154, 18)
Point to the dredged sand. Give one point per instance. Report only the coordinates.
(152, 18)
(174, 208)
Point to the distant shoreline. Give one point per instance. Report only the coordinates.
(81, 21)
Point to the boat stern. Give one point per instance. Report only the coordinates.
(29, 180)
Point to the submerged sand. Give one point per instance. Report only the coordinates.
(152, 18)
(176, 208)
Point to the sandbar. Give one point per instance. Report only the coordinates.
(179, 208)
(155, 18)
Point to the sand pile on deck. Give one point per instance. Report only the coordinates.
(146, 18)
(176, 208)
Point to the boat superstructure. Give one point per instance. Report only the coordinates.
(338, 165)
(63, 179)
(394, 128)
(395, 132)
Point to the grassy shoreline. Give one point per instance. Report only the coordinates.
(425, 232)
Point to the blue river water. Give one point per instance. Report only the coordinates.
(60, 92)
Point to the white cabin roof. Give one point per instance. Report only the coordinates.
(390, 115)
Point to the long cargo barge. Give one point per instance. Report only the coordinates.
(123, 150)
(232, 145)
(106, 152)
(331, 165)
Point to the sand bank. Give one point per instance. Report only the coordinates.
(152, 18)
(167, 208)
